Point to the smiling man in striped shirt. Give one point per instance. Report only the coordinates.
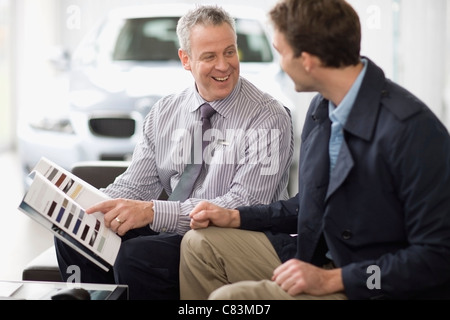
(246, 161)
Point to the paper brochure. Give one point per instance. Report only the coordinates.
(57, 199)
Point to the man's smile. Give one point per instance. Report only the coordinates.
(221, 79)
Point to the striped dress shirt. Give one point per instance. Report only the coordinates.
(246, 162)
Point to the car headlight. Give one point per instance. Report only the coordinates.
(62, 125)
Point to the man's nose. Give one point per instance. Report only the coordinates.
(222, 63)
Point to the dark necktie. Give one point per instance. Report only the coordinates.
(184, 187)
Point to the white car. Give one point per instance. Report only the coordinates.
(121, 68)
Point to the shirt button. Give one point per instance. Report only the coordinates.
(346, 234)
(164, 229)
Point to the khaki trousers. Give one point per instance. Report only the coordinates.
(231, 264)
(213, 257)
(264, 290)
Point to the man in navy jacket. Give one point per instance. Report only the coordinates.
(372, 216)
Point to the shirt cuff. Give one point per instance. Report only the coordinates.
(166, 215)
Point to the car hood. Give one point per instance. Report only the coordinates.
(134, 80)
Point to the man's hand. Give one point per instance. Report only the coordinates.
(207, 214)
(296, 277)
(122, 215)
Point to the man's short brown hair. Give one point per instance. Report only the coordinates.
(328, 29)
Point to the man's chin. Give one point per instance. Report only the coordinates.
(220, 93)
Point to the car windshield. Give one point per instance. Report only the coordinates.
(155, 39)
(152, 39)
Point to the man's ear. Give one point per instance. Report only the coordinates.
(184, 58)
(309, 61)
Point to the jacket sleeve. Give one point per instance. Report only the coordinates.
(280, 216)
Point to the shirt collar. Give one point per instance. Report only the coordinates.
(341, 113)
(221, 106)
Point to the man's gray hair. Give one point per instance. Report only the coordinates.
(201, 15)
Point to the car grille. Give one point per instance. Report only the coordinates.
(113, 127)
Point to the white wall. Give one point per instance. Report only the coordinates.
(35, 33)
(424, 51)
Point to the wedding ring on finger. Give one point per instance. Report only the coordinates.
(118, 220)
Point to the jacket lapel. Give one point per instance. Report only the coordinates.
(360, 123)
(344, 165)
